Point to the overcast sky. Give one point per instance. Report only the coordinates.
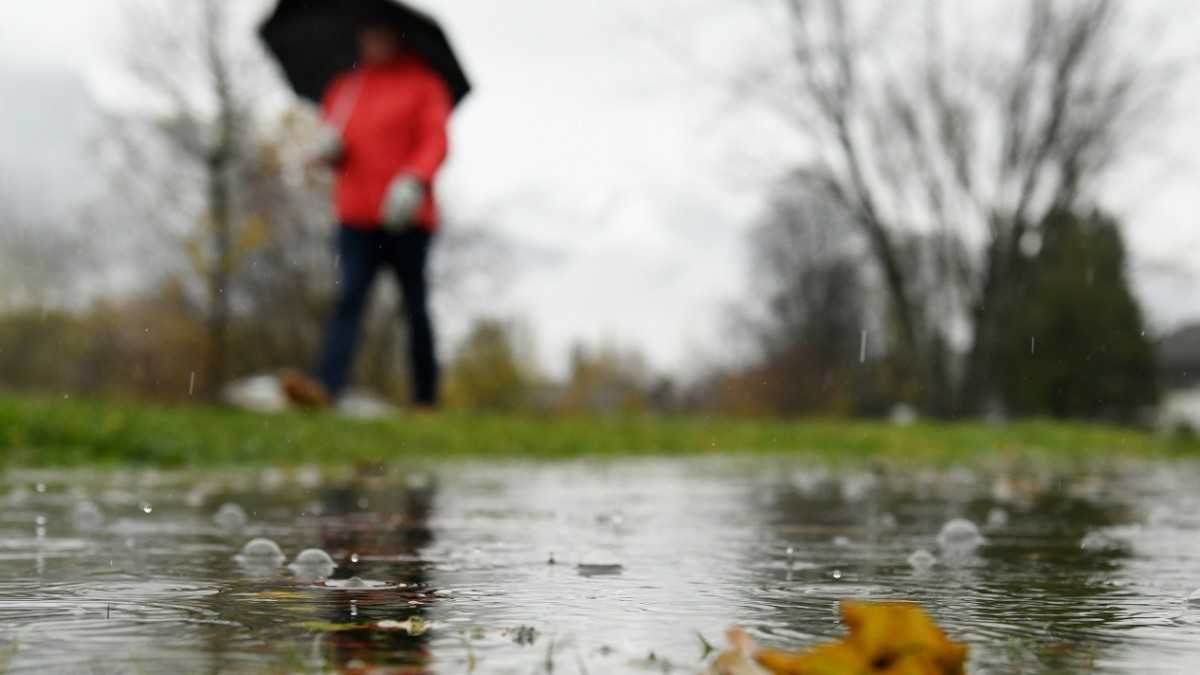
(612, 167)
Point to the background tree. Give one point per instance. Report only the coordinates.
(1076, 345)
(493, 370)
(182, 168)
(607, 379)
(809, 308)
(960, 147)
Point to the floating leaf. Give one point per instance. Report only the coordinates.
(884, 639)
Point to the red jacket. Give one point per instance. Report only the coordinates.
(394, 119)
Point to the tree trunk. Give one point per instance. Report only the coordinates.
(218, 279)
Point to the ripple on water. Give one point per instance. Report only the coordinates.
(1031, 602)
(32, 548)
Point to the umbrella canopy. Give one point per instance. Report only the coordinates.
(316, 40)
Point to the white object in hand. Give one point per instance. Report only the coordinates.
(400, 204)
(327, 147)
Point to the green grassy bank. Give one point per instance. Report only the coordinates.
(45, 432)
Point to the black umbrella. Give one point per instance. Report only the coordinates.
(316, 40)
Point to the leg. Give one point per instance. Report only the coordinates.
(409, 258)
(359, 254)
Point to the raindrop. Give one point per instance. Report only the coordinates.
(41, 488)
(260, 553)
(887, 521)
(922, 560)
(313, 563)
(147, 508)
(231, 517)
(837, 575)
(862, 348)
(841, 542)
(354, 558)
(960, 536)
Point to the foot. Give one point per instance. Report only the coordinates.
(303, 391)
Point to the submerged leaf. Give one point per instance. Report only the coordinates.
(328, 627)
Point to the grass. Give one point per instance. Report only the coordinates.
(46, 432)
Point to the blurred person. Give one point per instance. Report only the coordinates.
(386, 141)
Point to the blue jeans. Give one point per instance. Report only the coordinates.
(362, 253)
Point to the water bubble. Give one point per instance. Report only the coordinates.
(261, 553)
(922, 560)
(613, 519)
(599, 563)
(997, 518)
(857, 487)
(359, 584)
(86, 515)
(1099, 541)
(231, 517)
(313, 563)
(196, 496)
(960, 536)
(1193, 599)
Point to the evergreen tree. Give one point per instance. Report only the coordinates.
(1076, 344)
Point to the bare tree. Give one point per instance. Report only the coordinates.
(183, 165)
(954, 152)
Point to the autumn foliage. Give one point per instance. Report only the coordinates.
(883, 638)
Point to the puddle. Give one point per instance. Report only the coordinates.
(613, 568)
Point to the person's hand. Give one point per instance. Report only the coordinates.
(327, 147)
(400, 204)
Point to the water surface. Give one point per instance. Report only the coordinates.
(590, 568)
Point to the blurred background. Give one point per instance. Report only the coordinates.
(736, 207)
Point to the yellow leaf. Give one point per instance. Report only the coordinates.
(884, 639)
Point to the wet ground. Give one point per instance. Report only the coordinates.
(589, 568)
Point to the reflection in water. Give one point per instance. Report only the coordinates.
(614, 568)
(380, 530)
